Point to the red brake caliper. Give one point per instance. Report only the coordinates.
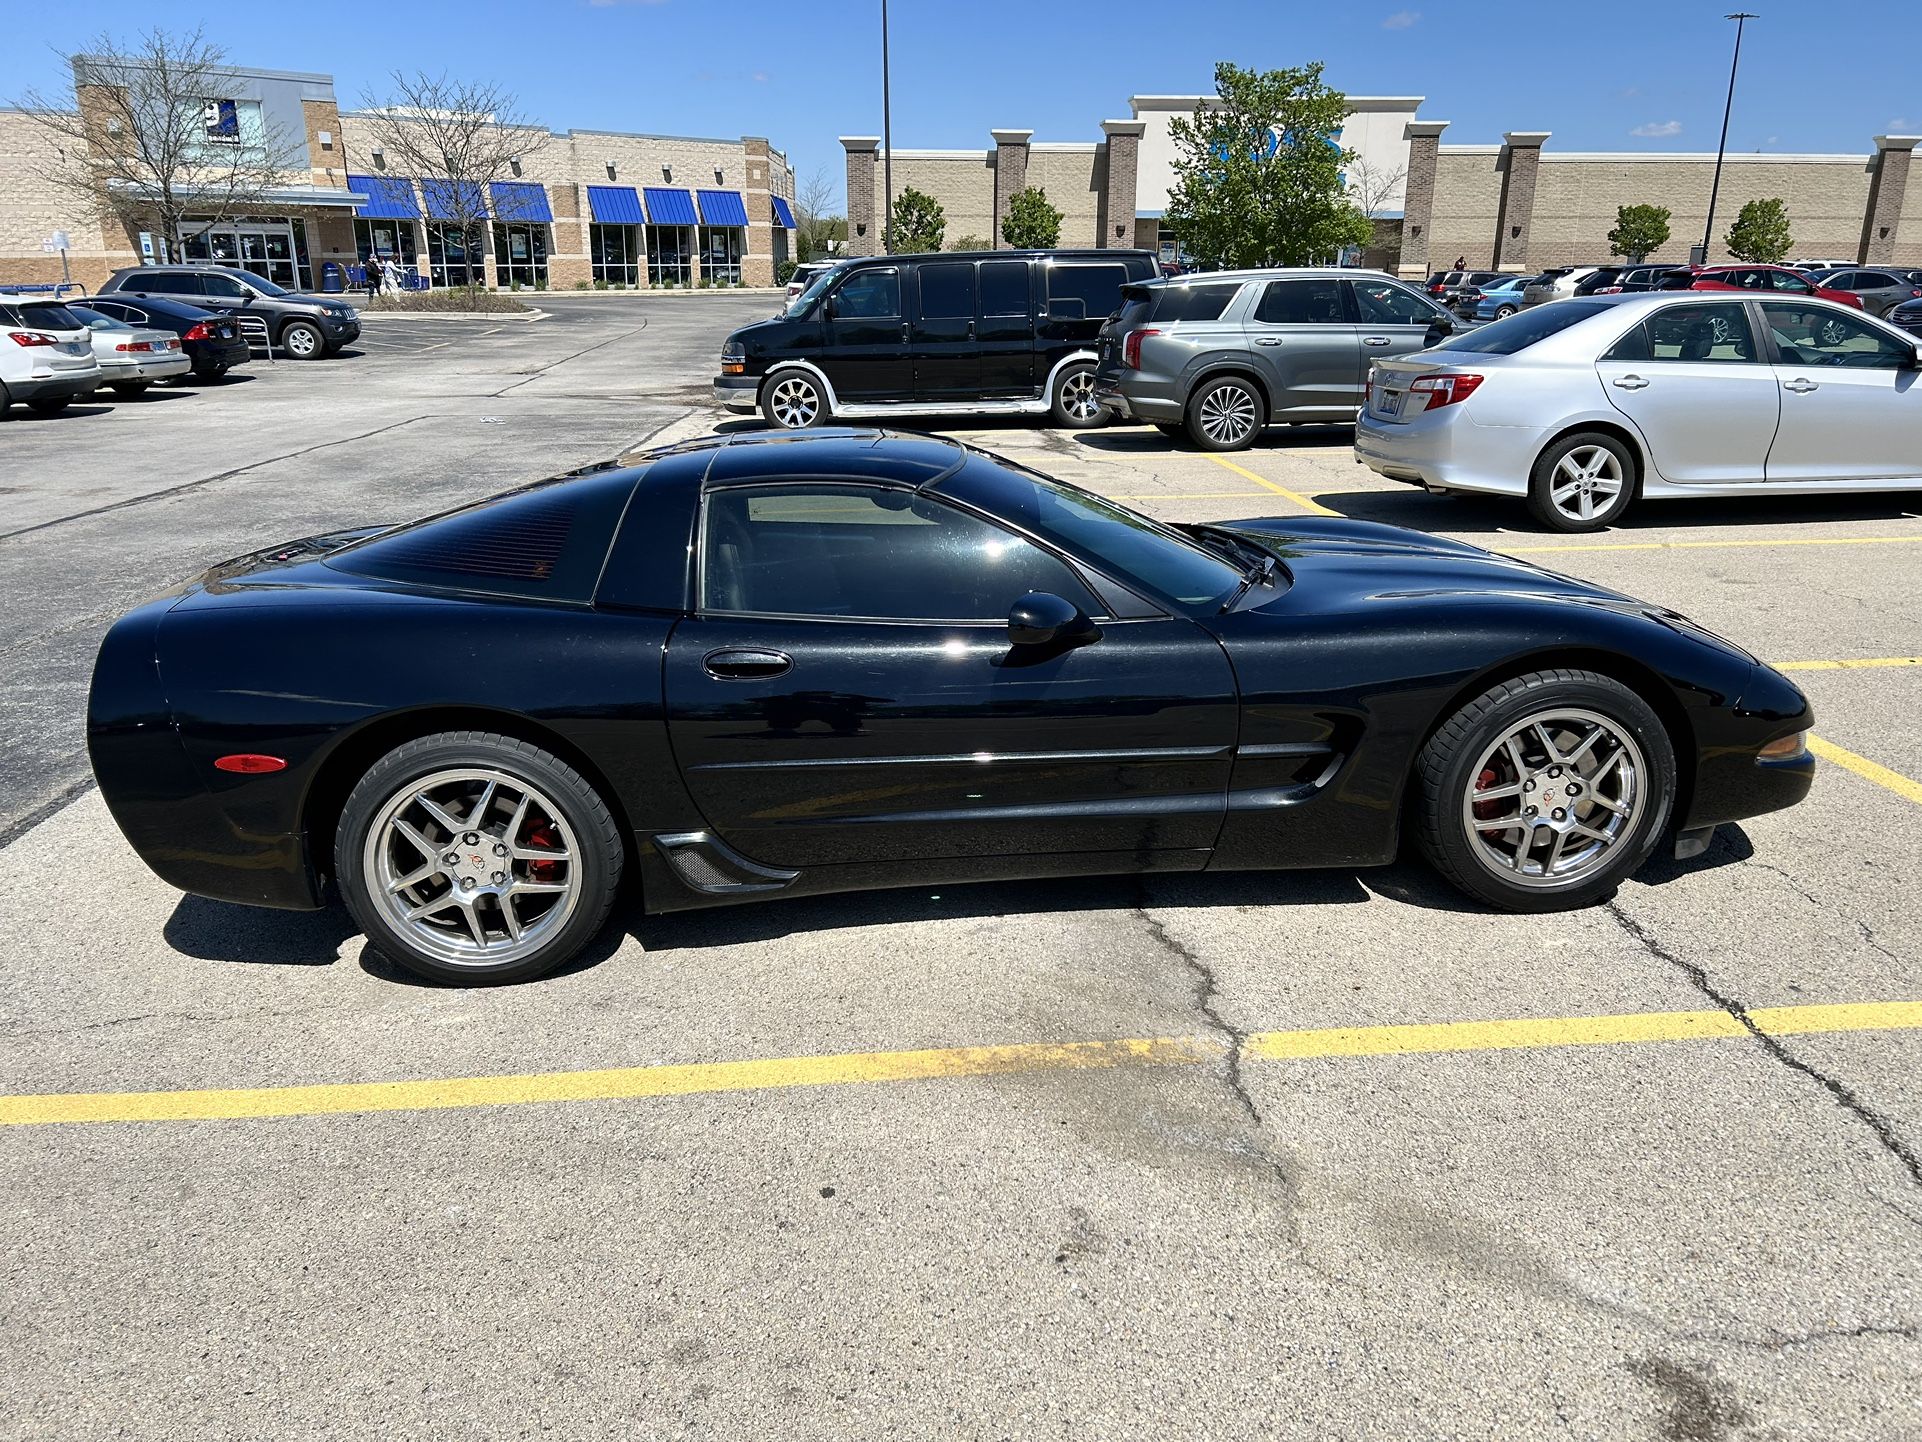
(542, 834)
(1486, 810)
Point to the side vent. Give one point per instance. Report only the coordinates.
(708, 864)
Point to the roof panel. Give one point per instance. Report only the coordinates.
(669, 205)
(615, 205)
(520, 200)
(722, 207)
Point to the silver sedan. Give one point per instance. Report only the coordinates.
(132, 357)
(1583, 407)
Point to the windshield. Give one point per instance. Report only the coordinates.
(1523, 329)
(1137, 549)
(95, 319)
(263, 285)
(807, 297)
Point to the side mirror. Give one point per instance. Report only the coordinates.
(1042, 619)
(1440, 328)
(831, 308)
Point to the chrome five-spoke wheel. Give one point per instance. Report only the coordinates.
(1552, 799)
(1587, 482)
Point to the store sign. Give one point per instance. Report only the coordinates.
(222, 119)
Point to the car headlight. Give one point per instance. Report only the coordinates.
(1785, 748)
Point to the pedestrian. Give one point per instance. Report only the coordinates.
(373, 273)
(1461, 262)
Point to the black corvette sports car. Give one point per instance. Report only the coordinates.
(834, 660)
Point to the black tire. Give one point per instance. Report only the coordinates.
(1563, 513)
(581, 809)
(1072, 405)
(1446, 777)
(130, 388)
(793, 400)
(50, 407)
(209, 370)
(1503, 312)
(302, 340)
(1225, 413)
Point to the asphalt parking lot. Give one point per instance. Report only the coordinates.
(1328, 1154)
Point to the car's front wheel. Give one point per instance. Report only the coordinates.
(1073, 404)
(1545, 792)
(1582, 483)
(792, 401)
(301, 340)
(1225, 414)
(1503, 312)
(474, 859)
(130, 388)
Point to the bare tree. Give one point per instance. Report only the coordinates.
(458, 138)
(147, 138)
(1373, 186)
(814, 209)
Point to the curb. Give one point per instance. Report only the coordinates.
(663, 293)
(493, 315)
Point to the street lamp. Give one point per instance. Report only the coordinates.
(1741, 18)
(887, 144)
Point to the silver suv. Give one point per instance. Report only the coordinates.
(1217, 356)
(1556, 283)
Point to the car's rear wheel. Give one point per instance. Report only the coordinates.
(1545, 792)
(130, 388)
(793, 401)
(1073, 404)
(472, 858)
(1503, 312)
(1832, 332)
(1225, 414)
(1582, 483)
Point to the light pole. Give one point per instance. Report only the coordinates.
(887, 143)
(1741, 18)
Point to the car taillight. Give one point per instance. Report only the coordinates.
(1608, 290)
(198, 331)
(1444, 390)
(1368, 389)
(32, 337)
(134, 345)
(1131, 347)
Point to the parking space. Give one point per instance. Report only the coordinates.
(1330, 1153)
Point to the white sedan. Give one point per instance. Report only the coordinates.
(131, 357)
(1585, 406)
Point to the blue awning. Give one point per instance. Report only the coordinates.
(669, 206)
(783, 216)
(440, 196)
(520, 200)
(615, 205)
(389, 197)
(722, 207)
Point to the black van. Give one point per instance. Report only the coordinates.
(987, 332)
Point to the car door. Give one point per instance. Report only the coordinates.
(223, 292)
(947, 364)
(1851, 397)
(1692, 379)
(1305, 345)
(846, 693)
(1004, 329)
(866, 355)
(1394, 320)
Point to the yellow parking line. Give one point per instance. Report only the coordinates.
(1866, 663)
(1861, 765)
(1183, 496)
(1714, 545)
(1316, 506)
(633, 1083)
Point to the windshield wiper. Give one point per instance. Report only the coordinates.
(1260, 572)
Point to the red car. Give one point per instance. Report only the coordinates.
(1775, 279)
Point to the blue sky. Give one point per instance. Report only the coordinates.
(1638, 77)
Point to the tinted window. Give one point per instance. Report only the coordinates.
(51, 317)
(165, 283)
(1788, 281)
(1383, 303)
(1302, 302)
(1523, 329)
(868, 294)
(224, 286)
(1193, 302)
(1004, 287)
(947, 291)
(116, 310)
(9, 315)
(1631, 347)
(848, 551)
(1701, 333)
(98, 318)
(1817, 335)
(1097, 287)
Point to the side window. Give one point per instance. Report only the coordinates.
(1004, 287)
(947, 291)
(1632, 347)
(170, 282)
(1193, 302)
(224, 286)
(1385, 304)
(1821, 335)
(1700, 333)
(1788, 281)
(869, 295)
(1096, 287)
(811, 549)
(1301, 302)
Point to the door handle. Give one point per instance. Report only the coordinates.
(1630, 383)
(904, 330)
(1801, 385)
(1374, 340)
(1267, 340)
(746, 664)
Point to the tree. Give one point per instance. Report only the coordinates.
(1032, 223)
(1374, 186)
(970, 242)
(1760, 234)
(459, 138)
(1258, 172)
(919, 223)
(815, 212)
(146, 140)
(1640, 231)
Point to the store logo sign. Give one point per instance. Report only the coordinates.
(222, 119)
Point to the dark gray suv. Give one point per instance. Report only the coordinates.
(1217, 356)
(305, 326)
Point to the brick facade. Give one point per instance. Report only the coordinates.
(1116, 213)
(1888, 191)
(1012, 151)
(1418, 212)
(1520, 162)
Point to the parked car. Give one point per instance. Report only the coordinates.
(1878, 291)
(1771, 279)
(46, 355)
(1472, 280)
(131, 359)
(1639, 278)
(306, 326)
(1439, 284)
(804, 274)
(992, 332)
(1218, 357)
(1600, 278)
(1820, 264)
(212, 342)
(1908, 316)
(1556, 283)
(858, 659)
(1591, 405)
(1493, 302)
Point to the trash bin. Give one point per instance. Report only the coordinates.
(331, 277)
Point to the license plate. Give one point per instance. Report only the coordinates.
(75, 347)
(1388, 403)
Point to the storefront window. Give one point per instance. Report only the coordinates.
(616, 252)
(520, 254)
(272, 247)
(394, 239)
(721, 247)
(669, 254)
(454, 254)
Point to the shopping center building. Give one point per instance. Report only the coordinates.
(1516, 205)
(579, 207)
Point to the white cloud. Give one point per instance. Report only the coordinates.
(1401, 20)
(760, 77)
(1657, 131)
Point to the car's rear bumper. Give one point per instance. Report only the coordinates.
(218, 352)
(150, 368)
(1445, 451)
(1133, 397)
(737, 393)
(61, 385)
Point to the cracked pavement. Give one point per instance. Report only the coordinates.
(1665, 1242)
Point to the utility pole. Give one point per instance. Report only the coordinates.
(887, 143)
(1741, 18)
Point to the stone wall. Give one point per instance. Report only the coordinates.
(1071, 175)
(1467, 206)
